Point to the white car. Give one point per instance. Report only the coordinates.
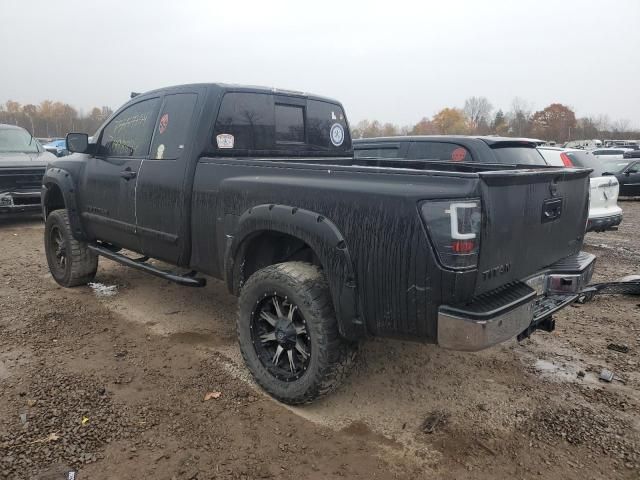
(604, 212)
(609, 153)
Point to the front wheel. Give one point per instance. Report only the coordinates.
(288, 333)
(71, 262)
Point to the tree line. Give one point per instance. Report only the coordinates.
(52, 119)
(556, 122)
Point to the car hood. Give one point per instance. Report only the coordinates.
(19, 159)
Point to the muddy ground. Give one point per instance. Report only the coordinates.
(113, 386)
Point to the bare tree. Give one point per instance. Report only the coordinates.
(519, 117)
(621, 128)
(478, 111)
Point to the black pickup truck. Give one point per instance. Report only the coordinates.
(259, 187)
(22, 164)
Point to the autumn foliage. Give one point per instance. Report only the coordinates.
(556, 122)
(52, 119)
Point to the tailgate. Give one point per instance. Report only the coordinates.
(531, 219)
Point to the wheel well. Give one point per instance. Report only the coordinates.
(54, 199)
(268, 248)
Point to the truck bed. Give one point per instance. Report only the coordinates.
(376, 209)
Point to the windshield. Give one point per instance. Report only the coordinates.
(518, 155)
(17, 140)
(613, 166)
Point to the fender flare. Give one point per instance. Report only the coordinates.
(64, 181)
(325, 240)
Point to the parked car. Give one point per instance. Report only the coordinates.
(22, 165)
(608, 153)
(58, 147)
(604, 212)
(630, 144)
(451, 149)
(583, 144)
(627, 172)
(260, 187)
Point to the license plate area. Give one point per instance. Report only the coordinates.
(551, 209)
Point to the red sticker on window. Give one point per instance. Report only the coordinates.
(458, 155)
(164, 122)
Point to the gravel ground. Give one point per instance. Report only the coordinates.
(111, 382)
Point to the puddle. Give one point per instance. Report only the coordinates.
(102, 290)
(562, 372)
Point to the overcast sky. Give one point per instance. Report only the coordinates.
(394, 61)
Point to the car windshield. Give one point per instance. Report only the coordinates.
(17, 140)
(520, 155)
(613, 166)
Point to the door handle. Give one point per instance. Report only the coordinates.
(128, 174)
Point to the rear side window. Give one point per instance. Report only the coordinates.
(382, 152)
(583, 159)
(438, 151)
(129, 133)
(520, 155)
(327, 127)
(245, 122)
(552, 157)
(289, 123)
(252, 123)
(173, 126)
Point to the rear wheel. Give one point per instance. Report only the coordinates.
(288, 333)
(71, 263)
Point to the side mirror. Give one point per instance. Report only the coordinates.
(605, 174)
(78, 142)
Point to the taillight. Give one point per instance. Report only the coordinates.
(454, 229)
(566, 160)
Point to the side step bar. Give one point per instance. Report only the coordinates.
(186, 280)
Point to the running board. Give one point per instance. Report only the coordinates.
(187, 280)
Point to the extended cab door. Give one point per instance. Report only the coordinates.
(109, 183)
(163, 195)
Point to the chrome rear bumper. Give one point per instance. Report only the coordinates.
(506, 312)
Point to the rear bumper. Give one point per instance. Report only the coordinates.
(497, 316)
(18, 202)
(600, 224)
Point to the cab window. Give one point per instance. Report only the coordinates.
(129, 133)
(327, 127)
(261, 123)
(245, 122)
(289, 123)
(173, 125)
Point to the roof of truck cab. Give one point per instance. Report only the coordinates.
(462, 139)
(229, 87)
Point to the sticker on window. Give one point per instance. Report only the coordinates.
(337, 134)
(160, 152)
(164, 123)
(225, 140)
(458, 155)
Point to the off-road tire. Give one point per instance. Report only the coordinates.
(331, 355)
(80, 264)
